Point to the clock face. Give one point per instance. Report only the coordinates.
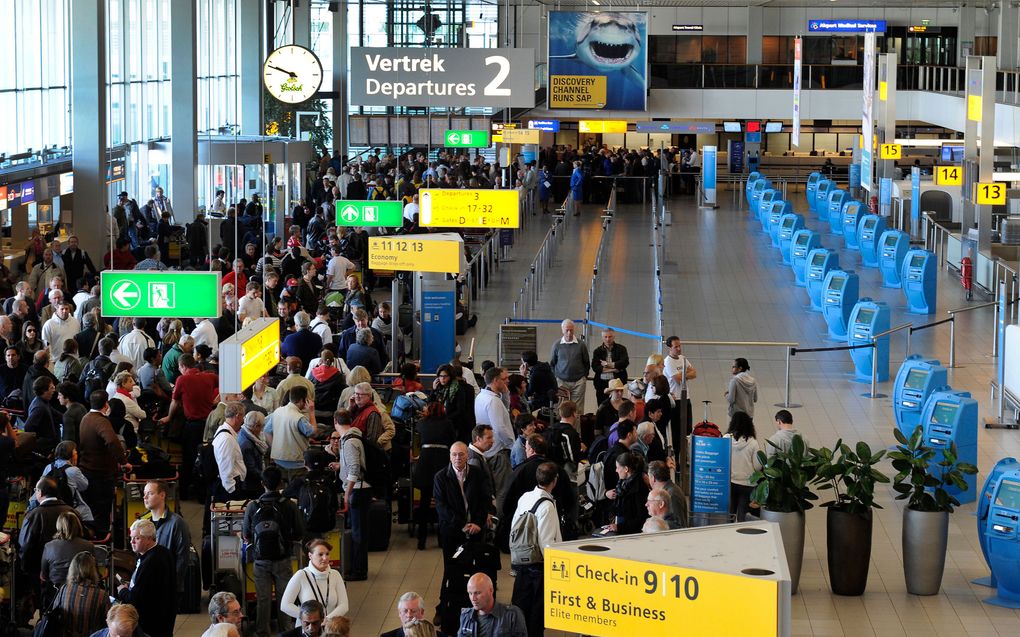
(292, 74)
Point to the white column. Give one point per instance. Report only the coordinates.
(339, 84)
(755, 27)
(184, 110)
(965, 39)
(301, 22)
(250, 39)
(1008, 33)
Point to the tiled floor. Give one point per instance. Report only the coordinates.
(723, 281)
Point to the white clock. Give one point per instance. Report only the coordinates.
(292, 74)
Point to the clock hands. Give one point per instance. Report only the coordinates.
(276, 68)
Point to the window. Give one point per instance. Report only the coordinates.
(218, 67)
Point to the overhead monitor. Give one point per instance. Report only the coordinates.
(731, 127)
(773, 127)
(944, 413)
(753, 126)
(916, 379)
(952, 153)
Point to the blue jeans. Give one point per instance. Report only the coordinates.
(358, 510)
(267, 573)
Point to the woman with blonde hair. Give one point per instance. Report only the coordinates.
(67, 542)
(125, 382)
(419, 628)
(83, 600)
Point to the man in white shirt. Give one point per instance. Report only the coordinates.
(205, 333)
(227, 451)
(134, 343)
(490, 410)
(529, 583)
(58, 329)
(251, 304)
(411, 209)
(320, 326)
(678, 369)
(337, 270)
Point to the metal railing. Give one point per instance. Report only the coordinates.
(607, 218)
(952, 326)
(535, 277)
(874, 356)
(790, 351)
(658, 231)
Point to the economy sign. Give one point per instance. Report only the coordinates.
(369, 214)
(158, 294)
(454, 208)
(391, 76)
(598, 60)
(521, 136)
(248, 355)
(415, 253)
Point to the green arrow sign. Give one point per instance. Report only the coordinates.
(377, 214)
(152, 294)
(467, 139)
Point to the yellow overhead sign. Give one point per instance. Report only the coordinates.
(602, 126)
(891, 151)
(883, 91)
(948, 175)
(594, 595)
(577, 91)
(990, 193)
(974, 108)
(453, 208)
(521, 136)
(260, 353)
(418, 255)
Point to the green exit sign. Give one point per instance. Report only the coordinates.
(155, 294)
(467, 139)
(375, 214)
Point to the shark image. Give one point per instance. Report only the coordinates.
(607, 42)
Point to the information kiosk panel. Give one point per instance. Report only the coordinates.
(819, 262)
(950, 417)
(894, 245)
(804, 241)
(759, 187)
(839, 296)
(852, 211)
(918, 280)
(753, 177)
(1004, 540)
(917, 379)
(867, 319)
(984, 506)
(812, 186)
(834, 210)
(772, 213)
(788, 225)
(768, 196)
(869, 232)
(824, 187)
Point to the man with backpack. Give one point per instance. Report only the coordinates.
(271, 525)
(563, 440)
(536, 525)
(357, 490)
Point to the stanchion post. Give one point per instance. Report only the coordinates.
(874, 367)
(952, 341)
(786, 402)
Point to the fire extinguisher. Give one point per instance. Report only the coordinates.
(873, 205)
(967, 275)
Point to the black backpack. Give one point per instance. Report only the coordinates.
(318, 503)
(206, 469)
(376, 470)
(64, 491)
(269, 541)
(97, 374)
(598, 448)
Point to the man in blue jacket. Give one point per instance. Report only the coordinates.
(502, 620)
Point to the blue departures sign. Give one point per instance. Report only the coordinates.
(710, 475)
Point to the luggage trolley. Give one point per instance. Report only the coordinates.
(298, 561)
(8, 557)
(226, 551)
(129, 505)
(19, 493)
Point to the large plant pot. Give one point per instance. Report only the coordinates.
(848, 539)
(791, 527)
(925, 540)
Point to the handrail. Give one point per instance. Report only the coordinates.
(968, 308)
(608, 211)
(790, 347)
(892, 330)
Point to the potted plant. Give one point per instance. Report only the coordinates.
(783, 492)
(922, 480)
(851, 475)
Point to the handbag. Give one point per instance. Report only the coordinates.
(51, 622)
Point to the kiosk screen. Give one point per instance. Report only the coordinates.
(943, 413)
(837, 283)
(917, 261)
(1008, 494)
(869, 224)
(864, 316)
(818, 259)
(890, 241)
(802, 239)
(788, 223)
(916, 379)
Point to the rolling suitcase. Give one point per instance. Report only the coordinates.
(380, 525)
(706, 427)
(405, 512)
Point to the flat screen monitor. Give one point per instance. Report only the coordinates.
(773, 127)
(1008, 494)
(818, 259)
(864, 316)
(917, 260)
(916, 379)
(731, 127)
(753, 126)
(952, 153)
(944, 412)
(802, 239)
(837, 283)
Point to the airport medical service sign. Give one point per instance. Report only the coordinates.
(442, 77)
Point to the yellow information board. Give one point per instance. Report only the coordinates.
(454, 208)
(260, 353)
(419, 255)
(602, 126)
(948, 175)
(990, 193)
(883, 91)
(891, 151)
(594, 595)
(577, 91)
(521, 136)
(974, 108)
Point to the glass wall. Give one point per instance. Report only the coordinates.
(35, 95)
(218, 68)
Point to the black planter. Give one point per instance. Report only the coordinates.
(848, 539)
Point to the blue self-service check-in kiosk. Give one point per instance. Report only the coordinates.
(950, 417)
(984, 506)
(819, 262)
(804, 241)
(917, 379)
(789, 224)
(834, 210)
(821, 200)
(753, 177)
(767, 196)
(867, 319)
(868, 233)
(852, 211)
(770, 218)
(1002, 530)
(759, 187)
(893, 246)
(812, 186)
(918, 281)
(840, 292)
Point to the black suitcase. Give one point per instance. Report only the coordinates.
(471, 558)
(380, 525)
(191, 600)
(405, 512)
(346, 553)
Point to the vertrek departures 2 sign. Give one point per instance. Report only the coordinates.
(442, 77)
